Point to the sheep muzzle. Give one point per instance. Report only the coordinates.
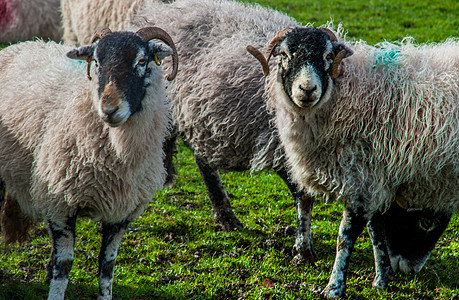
(113, 110)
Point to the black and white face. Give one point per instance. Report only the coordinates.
(411, 236)
(123, 64)
(305, 59)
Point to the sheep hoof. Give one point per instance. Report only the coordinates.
(380, 282)
(226, 219)
(305, 258)
(303, 255)
(333, 291)
(229, 222)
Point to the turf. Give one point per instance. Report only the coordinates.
(176, 251)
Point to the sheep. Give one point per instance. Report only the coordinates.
(71, 146)
(368, 125)
(24, 20)
(221, 116)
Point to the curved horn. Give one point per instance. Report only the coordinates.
(330, 34)
(258, 55)
(100, 33)
(275, 40)
(334, 68)
(149, 33)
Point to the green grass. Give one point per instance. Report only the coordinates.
(174, 251)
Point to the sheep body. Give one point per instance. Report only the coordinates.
(24, 20)
(222, 117)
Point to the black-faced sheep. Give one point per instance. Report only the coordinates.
(72, 147)
(24, 20)
(367, 125)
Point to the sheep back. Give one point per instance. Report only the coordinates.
(24, 20)
(82, 18)
(218, 97)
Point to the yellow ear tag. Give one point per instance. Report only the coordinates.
(157, 61)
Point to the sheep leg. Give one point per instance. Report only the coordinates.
(112, 235)
(303, 250)
(352, 224)
(221, 206)
(169, 147)
(382, 261)
(63, 235)
(2, 191)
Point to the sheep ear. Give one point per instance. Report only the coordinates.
(338, 47)
(81, 53)
(160, 49)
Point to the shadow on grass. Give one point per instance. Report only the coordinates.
(15, 289)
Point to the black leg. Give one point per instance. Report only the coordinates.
(352, 224)
(303, 249)
(63, 235)
(221, 206)
(377, 232)
(112, 235)
(170, 149)
(2, 192)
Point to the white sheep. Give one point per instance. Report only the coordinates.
(71, 146)
(22, 20)
(367, 125)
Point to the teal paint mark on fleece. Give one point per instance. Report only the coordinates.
(387, 56)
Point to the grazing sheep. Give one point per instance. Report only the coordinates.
(367, 125)
(22, 20)
(71, 146)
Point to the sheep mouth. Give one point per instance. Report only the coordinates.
(406, 266)
(115, 120)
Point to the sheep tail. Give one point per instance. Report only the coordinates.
(15, 225)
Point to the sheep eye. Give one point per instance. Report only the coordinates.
(331, 56)
(426, 224)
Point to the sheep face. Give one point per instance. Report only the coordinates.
(124, 63)
(412, 235)
(305, 66)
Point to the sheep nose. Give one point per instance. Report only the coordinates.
(308, 90)
(110, 111)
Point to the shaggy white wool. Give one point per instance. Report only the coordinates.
(58, 156)
(392, 123)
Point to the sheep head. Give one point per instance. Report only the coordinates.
(124, 63)
(310, 59)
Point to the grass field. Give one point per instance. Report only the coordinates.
(175, 251)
